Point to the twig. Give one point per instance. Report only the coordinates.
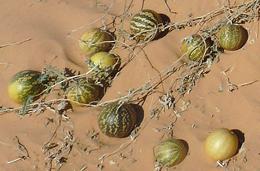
(247, 83)
(120, 148)
(15, 43)
(168, 7)
(15, 160)
(24, 154)
(84, 168)
(95, 21)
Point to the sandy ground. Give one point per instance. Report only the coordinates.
(48, 24)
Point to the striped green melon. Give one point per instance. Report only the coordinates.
(96, 40)
(170, 152)
(117, 121)
(232, 37)
(24, 85)
(104, 62)
(83, 92)
(144, 25)
(194, 47)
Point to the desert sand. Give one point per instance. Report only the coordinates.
(48, 32)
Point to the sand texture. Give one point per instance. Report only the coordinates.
(37, 33)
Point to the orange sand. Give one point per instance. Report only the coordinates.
(48, 24)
